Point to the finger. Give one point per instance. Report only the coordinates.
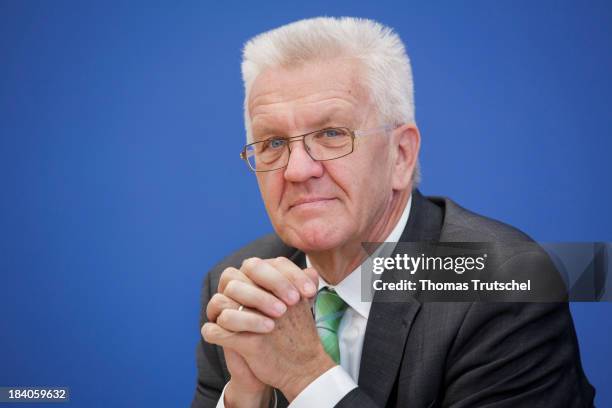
(314, 277)
(230, 274)
(243, 321)
(270, 279)
(252, 296)
(217, 304)
(215, 334)
(301, 280)
(240, 370)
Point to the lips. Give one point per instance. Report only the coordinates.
(310, 201)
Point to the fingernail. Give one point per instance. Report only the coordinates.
(268, 324)
(309, 288)
(280, 307)
(293, 296)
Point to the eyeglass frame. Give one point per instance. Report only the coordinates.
(353, 133)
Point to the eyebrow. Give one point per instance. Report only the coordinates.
(331, 119)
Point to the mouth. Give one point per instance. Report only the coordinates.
(311, 202)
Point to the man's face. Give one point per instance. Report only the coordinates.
(320, 205)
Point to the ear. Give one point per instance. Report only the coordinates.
(407, 144)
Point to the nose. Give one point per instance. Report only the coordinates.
(301, 166)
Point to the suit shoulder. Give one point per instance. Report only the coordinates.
(463, 225)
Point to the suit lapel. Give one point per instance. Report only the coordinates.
(389, 322)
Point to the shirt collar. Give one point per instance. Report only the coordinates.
(349, 289)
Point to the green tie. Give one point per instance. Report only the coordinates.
(329, 308)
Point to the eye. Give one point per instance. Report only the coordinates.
(332, 133)
(275, 143)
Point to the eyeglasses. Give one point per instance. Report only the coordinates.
(321, 145)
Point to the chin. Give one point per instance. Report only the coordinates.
(316, 235)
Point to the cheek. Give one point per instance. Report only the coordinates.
(370, 181)
(270, 188)
(354, 182)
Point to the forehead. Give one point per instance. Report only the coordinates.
(301, 97)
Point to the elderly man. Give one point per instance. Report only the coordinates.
(333, 143)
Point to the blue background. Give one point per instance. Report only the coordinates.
(120, 127)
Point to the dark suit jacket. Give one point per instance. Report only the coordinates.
(431, 354)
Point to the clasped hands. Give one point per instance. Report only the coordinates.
(272, 341)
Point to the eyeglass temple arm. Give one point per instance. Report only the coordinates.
(386, 128)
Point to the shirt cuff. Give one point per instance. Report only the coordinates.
(221, 402)
(326, 391)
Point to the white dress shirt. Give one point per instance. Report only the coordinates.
(329, 388)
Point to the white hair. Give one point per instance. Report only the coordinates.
(387, 72)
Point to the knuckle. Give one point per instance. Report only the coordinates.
(231, 287)
(225, 277)
(216, 299)
(295, 274)
(261, 297)
(279, 262)
(221, 285)
(215, 303)
(227, 271)
(223, 317)
(286, 286)
(207, 332)
(249, 263)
